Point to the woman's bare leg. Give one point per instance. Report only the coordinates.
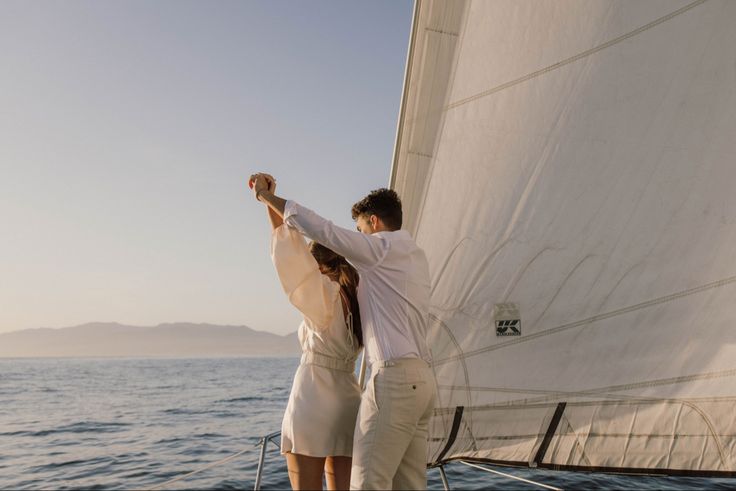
(305, 473)
(337, 472)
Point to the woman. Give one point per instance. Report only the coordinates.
(317, 430)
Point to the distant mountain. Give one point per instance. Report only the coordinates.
(105, 339)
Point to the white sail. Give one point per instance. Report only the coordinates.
(570, 169)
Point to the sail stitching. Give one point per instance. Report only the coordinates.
(630, 400)
(606, 391)
(590, 320)
(440, 31)
(420, 154)
(513, 390)
(569, 60)
(713, 433)
(610, 388)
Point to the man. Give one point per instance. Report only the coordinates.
(390, 443)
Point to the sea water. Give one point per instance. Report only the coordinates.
(137, 423)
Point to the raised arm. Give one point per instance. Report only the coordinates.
(275, 219)
(263, 186)
(363, 250)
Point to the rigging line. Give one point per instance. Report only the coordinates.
(571, 59)
(208, 466)
(510, 476)
(589, 320)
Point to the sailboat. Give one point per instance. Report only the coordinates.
(569, 169)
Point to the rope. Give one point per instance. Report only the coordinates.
(510, 476)
(208, 466)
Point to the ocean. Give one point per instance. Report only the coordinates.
(122, 424)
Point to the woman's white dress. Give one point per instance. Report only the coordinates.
(323, 405)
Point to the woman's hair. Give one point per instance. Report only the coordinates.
(335, 267)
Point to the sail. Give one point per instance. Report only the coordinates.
(570, 170)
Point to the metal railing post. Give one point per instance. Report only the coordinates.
(361, 373)
(262, 458)
(445, 482)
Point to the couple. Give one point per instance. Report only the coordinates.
(371, 287)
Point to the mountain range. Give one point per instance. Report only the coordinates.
(110, 339)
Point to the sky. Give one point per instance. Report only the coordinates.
(128, 130)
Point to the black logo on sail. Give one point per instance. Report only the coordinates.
(508, 319)
(508, 327)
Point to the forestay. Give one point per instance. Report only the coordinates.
(570, 170)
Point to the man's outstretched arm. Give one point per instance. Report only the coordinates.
(358, 248)
(276, 204)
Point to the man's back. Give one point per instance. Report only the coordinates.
(395, 293)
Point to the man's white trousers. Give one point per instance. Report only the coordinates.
(390, 442)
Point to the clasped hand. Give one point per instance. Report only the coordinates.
(261, 182)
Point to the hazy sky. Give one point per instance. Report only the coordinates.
(128, 130)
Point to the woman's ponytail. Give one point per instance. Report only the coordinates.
(338, 269)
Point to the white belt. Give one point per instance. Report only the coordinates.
(400, 362)
(311, 358)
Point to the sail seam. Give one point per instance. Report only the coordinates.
(587, 392)
(575, 58)
(553, 396)
(420, 154)
(597, 391)
(538, 404)
(542, 404)
(591, 320)
(592, 468)
(440, 31)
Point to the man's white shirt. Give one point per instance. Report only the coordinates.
(393, 292)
